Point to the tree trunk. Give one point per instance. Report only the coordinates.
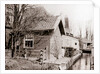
(12, 54)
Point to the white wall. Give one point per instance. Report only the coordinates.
(68, 41)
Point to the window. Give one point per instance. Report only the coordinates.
(75, 43)
(28, 43)
(17, 47)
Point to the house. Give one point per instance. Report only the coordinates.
(48, 36)
(69, 45)
(85, 43)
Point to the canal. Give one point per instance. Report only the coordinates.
(83, 63)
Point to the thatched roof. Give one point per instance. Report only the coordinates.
(36, 20)
(47, 24)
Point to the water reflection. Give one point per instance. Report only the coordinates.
(83, 63)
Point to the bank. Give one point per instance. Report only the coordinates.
(66, 62)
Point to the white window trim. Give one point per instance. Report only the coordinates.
(28, 40)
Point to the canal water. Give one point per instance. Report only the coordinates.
(83, 63)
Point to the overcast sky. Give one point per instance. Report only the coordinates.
(79, 15)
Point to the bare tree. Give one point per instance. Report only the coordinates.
(91, 36)
(80, 37)
(18, 16)
(24, 15)
(8, 24)
(87, 33)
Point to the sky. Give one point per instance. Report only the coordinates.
(80, 16)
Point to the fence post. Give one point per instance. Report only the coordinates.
(41, 58)
(25, 53)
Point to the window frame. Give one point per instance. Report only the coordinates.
(75, 43)
(28, 40)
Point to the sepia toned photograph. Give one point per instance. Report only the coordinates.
(49, 37)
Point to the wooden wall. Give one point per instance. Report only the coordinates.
(39, 42)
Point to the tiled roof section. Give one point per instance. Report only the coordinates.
(47, 24)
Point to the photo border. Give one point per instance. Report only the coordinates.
(2, 38)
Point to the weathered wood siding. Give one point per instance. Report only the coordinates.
(39, 42)
(42, 42)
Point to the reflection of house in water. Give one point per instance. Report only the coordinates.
(51, 36)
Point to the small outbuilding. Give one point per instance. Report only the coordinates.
(85, 43)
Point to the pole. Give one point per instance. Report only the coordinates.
(41, 58)
(12, 54)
